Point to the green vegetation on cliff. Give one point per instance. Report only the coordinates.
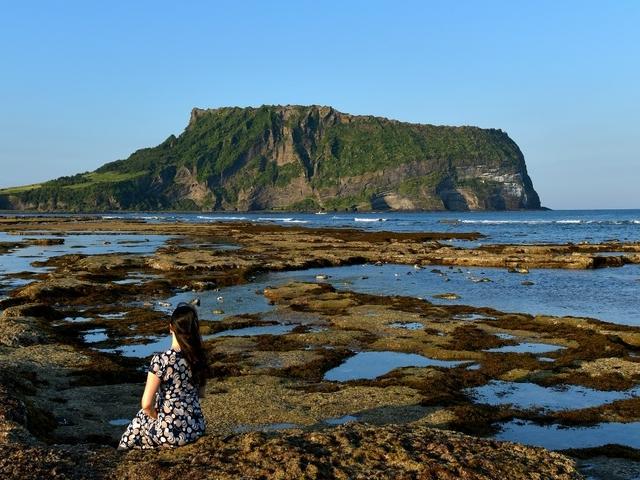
(299, 158)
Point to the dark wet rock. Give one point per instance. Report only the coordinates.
(194, 260)
(200, 285)
(352, 451)
(44, 241)
(481, 280)
(447, 296)
(20, 331)
(95, 263)
(297, 291)
(520, 258)
(58, 288)
(39, 310)
(59, 462)
(6, 247)
(11, 409)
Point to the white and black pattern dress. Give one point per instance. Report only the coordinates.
(180, 418)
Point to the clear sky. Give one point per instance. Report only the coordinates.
(84, 82)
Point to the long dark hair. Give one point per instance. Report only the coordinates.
(186, 327)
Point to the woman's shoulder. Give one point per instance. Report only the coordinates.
(163, 357)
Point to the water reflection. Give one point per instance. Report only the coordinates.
(370, 365)
(526, 395)
(558, 437)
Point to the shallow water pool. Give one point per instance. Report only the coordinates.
(559, 437)
(526, 395)
(370, 365)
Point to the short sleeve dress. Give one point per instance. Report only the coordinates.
(180, 420)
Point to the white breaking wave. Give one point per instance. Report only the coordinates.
(296, 221)
(205, 217)
(359, 219)
(547, 222)
(274, 219)
(500, 222)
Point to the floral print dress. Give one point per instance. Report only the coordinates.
(180, 418)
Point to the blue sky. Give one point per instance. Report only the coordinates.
(83, 83)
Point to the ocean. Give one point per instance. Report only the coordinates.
(610, 294)
(531, 226)
(540, 226)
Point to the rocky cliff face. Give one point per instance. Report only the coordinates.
(301, 158)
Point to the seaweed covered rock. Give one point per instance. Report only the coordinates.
(354, 451)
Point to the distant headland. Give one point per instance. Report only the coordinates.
(299, 158)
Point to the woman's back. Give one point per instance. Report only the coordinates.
(174, 372)
(171, 415)
(179, 416)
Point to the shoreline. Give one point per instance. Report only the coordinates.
(278, 379)
(404, 247)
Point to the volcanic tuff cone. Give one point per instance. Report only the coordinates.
(300, 158)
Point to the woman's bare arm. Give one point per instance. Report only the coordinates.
(148, 397)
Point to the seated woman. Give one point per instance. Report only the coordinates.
(173, 417)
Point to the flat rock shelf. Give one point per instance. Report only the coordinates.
(330, 357)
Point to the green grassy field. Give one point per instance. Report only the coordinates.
(82, 181)
(103, 177)
(24, 188)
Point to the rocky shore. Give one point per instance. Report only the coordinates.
(279, 405)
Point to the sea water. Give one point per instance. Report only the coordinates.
(539, 226)
(530, 226)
